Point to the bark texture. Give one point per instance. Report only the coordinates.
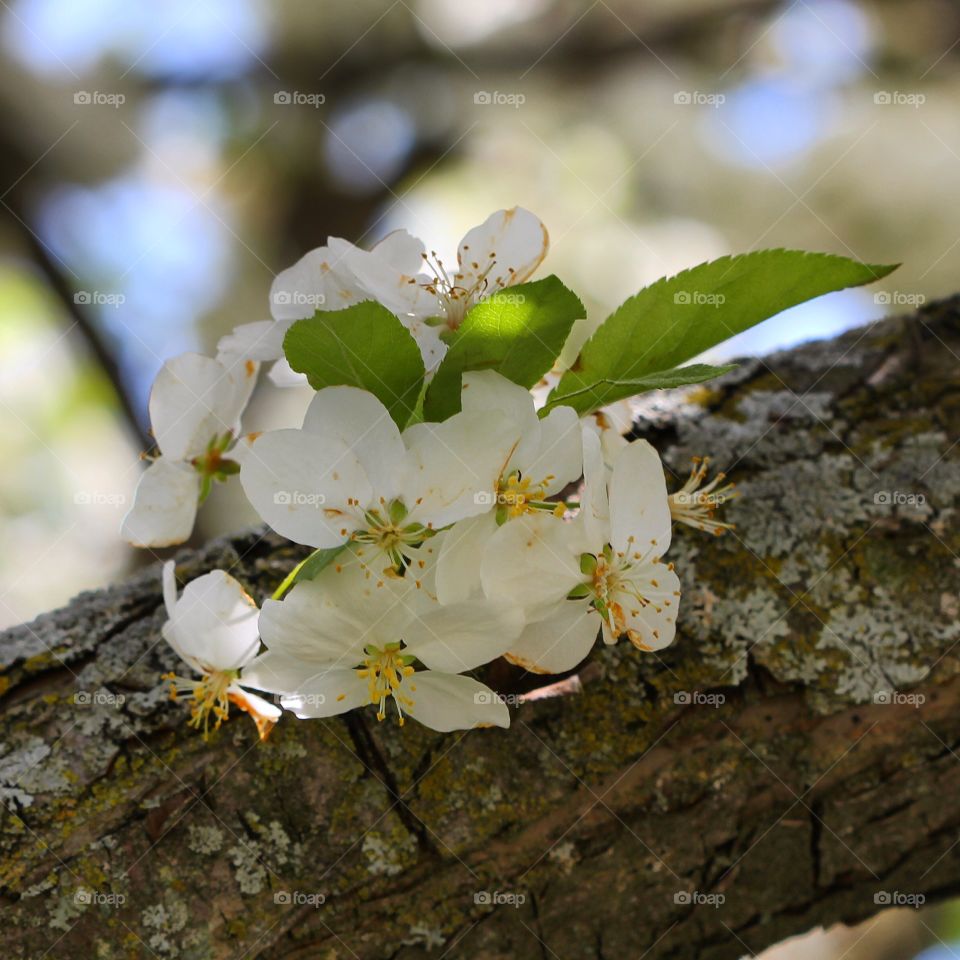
(758, 778)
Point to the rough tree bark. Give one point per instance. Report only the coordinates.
(750, 763)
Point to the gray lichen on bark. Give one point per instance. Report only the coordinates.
(788, 791)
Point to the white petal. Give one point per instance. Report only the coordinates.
(616, 417)
(446, 701)
(464, 635)
(594, 516)
(651, 626)
(401, 250)
(194, 399)
(315, 282)
(262, 340)
(358, 420)
(514, 241)
(331, 618)
(461, 552)
(639, 505)
(531, 561)
(303, 485)
(452, 467)
(243, 378)
(164, 505)
(401, 293)
(487, 392)
(332, 691)
(169, 587)
(282, 375)
(432, 347)
(560, 452)
(559, 641)
(214, 623)
(279, 673)
(612, 444)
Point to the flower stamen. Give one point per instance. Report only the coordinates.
(695, 505)
(385, 670)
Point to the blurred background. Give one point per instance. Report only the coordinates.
(159, 163)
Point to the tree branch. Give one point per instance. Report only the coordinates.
(757, 778)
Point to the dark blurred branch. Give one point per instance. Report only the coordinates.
(93, 339)
(16, 169)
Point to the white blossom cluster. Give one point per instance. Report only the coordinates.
(497, 532)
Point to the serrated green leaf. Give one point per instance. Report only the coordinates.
(309, 568)
(679, 317)
(519, 332)
(362, 346)
(664, 380)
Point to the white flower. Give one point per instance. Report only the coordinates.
(601, 571)
(420, 289)
(347, 639)
(195, 407)
(546, 457)
(349, 474)
(213, 627)
(502, 251)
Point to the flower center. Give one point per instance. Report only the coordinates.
(457, 292)
(607, 581)
(212, 465)
(386, 531)
(614, 590)
(385, 671)
(517, 495)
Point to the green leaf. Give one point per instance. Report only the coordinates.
(362, 346)
(519, 332)
(664, 380)
(309, 568)
(679, 317)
